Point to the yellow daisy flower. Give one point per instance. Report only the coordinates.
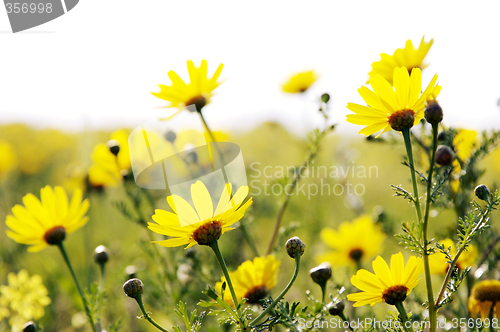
(23, 299)
(438, 264)
(252, 280)
(484, 295)
(200, 225)
(197, 92)
(108, 169)
(40, 223)
(464, 144)
(353, 242)
(8, 161)
(407, 57)
(388, 285)
(398, 108)
(300, 82)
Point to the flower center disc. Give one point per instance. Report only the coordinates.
(255, 294)
(199, 102)
(402, 119)
(488, 293)
(207, 233)
(356, 254)
(395, 294)
(55, 235)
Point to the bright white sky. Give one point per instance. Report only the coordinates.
(96, 66)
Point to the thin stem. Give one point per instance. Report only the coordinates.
(345, 319)
(222, 263)
(103, 274)
(459, 252)
(407, 139)
(428, 281)
(404, 316)
(287, 288)
(323, 292)
(146, 315)
(82, 296)
(249, 239)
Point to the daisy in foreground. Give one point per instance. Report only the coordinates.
(390, 285)
(407, 57)
(46, 222)
(253, 279)
(197, 92)
(201, 225)
(484, 295)
(300, 82)
(399, 108)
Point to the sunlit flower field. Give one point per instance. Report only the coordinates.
(395, 224)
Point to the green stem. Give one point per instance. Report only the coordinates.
(404, 316)
(345, 319)
(407, 139)
(287, 288)
(222, 263)
(428, 281)
(82, 296)
(101, 281)
(323, 292)
(146, 315)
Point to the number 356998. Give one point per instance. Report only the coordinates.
(28, 8)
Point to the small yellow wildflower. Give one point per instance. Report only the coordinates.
(353, 242)
(484, 295)
(406, 57)
(398, 108)
(252, 280)
(390, 285)
(300, 82)
(8, 159)
(46, 222)
(197, 92)
(438, 264)
(23, 299)
(203, 225)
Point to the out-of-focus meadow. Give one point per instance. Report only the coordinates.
(33, 158)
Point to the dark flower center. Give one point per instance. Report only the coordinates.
(199, 102)
(402, 119)
(255, 294)
(488, 293)
(395, 294)
(207, 233)
(55, 235)
(356, 254)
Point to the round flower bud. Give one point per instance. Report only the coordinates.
(482, 192)
(444, 155)
(29, 327)
(325, 97)
(321, 274)
(170, 136)
(133, 288)
(294, 245)
(442, 136)
(433, 112)
(101, 254)
(114, 146)
(335, 309)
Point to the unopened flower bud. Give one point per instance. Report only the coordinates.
(321, 274)
(294, 245)
(402, 119)
(190, 253)
(335, 309)
(433, 112)
(444, 155)
(101, 254)
(114, 146)
(482, 192)
(325, 97)
(442, 136)
(170, 136)
(29, 327)
(133, 288)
